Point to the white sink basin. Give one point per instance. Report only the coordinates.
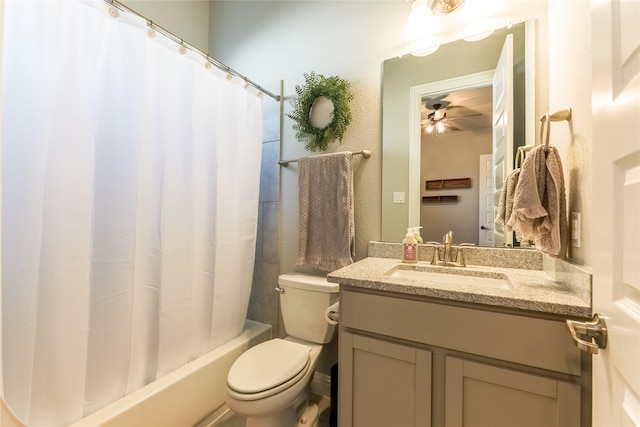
(447, 275)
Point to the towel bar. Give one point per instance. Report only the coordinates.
(365, 153)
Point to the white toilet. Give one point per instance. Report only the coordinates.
(269, 383)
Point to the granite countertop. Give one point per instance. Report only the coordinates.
(566, 294)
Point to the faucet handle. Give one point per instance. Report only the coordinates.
(460, 257)
(460, 254)
(436, 252)
(436, 256)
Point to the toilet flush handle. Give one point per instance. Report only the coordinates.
(279, 290)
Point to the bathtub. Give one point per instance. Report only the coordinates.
(185, 396)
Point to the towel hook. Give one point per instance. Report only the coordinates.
(545, 123)
(547, 119)
(519, 157)
(521, 154)
(561, 115)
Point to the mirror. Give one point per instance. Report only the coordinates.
(412, 88)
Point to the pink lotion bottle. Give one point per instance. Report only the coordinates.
(409, 247)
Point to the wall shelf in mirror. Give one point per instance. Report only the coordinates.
(442, 184)
(440, 199)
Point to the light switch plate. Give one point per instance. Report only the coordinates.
(398, 197)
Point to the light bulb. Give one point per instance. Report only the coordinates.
(478, 37)
(440, 127)
(420, 20)
(425, 52)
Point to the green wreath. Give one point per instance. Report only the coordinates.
(338, 91)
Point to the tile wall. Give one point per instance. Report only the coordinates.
(263, 305)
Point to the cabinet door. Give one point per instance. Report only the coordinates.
(478, 394)
(383, 384)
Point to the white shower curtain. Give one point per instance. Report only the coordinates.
(130, 179)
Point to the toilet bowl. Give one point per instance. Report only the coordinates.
(269, 383)
(280, 388)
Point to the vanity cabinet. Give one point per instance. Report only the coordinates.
(409, 361)
(482, 394)
(390, 383)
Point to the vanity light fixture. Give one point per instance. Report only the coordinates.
(421, 22)
(426, 51)
(434, 20)
(478, 37)
(442, 7)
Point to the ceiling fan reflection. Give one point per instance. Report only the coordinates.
(437, 121)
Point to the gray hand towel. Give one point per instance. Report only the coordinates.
(326, 234)
(539, 208)
(505, 204)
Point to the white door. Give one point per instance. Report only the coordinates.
(503, 130)
(486, 204)
(616, 209)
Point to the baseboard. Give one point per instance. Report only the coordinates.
(321, 385)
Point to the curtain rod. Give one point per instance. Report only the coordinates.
(181, 42)
(365, 153)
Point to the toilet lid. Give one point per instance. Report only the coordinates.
(267, 365)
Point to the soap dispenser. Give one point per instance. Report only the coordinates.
(410, 247)
(416, 233)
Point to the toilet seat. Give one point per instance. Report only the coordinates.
(267, 369)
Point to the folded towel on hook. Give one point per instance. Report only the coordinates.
(326, 232)
(539, 207)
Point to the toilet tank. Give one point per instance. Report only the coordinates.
(303, 303)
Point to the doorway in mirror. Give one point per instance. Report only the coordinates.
(486, 206)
